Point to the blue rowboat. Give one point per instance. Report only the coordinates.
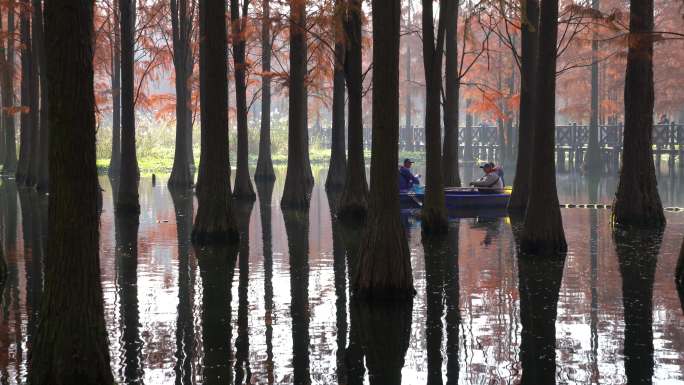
(460, 199)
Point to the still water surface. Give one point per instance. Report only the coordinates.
(277, 310)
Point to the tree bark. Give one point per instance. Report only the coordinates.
(264, 168)
(10, 160)
(115, 159)
(181, 26)
(214, 222)
(543, 228)
(637, 201)
(25, 121)
(243, 185)
(433, 213)
(338, 162)
(127, 199)
(451, 103)
(593, 156)
(35, 157)
(353, 201)
(384, 268)
(299, 179)
(71, 342)
(526, 121)
(43, 177)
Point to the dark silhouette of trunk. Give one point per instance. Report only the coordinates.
(265, 195)
(385, 333)
(115, 159)
(453, 312)
(126, 232)
(340, 273)
(181, 29)
(384, 268)
(299, 179)
(468, 136)
(297, 228)
(436, 250)
(185, 328)
(353, 201)
(353, 354)
(217, 266)
(543, 229)
(72, 315)
(127, 199)
(3, 62)
(637, 251)
(593, 156)
(243, 185)
(528, 72)
(540, 279)
(34, 262)
(264, 168)
(636, 200)
(408, 128)
(214, 221)
(433, 213)
(243, 372)
(452, 85)
(43, 176)
(34, 158)
(9, 161)
(338, 161)
(25, 118)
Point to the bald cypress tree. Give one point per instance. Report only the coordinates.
(72, 314)
(7, 81)
(25, 121)
(338, 162)
(452, 86)
(264, 168)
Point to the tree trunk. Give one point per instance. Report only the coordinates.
(636, 200)
(3, 147)
(540, 279)
(468, 135)
(72, 315)
(35, 156)
(433, 213)
(637, 251)
(127, 199)
(526, 121)
(181, 25)
(384, 268)
(39, 45)
(25, 121)
(264, 168)
(115, 159)
(353, 201)
(214, 222)
(593, 157)
(543, 229)
(243, 185)
(10, 160)
(408, 129)
(451, 103)
(338, 163)
(299, 179)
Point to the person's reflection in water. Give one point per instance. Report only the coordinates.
(638, 255)
(491, 227)
(340, 270)
(679, 276)
(185, 331)
(385, 333)
(435, 249)
(265, 195)
(243, 373)
(297, 228)
(539, 279)
(217, 266)
(353, 353)
(126, 235)
(453, 311)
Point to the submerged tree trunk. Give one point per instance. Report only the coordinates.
(10, 160)
(543, 229)
(243, 185)
(433, 213)
(264, 168)
(115, 158)
(214, 222)
(593, 157)
(72, 315)
(637, 201)
(127, 199)
(384, 268)
(526, 120)
(25, 121)
(338, 162)
(353, 201)
(43, 176)
(299, 179)
(451, 103)
(181, 25)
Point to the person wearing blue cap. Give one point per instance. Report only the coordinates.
(491, 181)
(406, 178)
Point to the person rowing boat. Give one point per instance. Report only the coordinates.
(491, 181)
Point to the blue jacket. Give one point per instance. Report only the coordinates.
(407, 179)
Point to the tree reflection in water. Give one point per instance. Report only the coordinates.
(353, 354)
(679, 276)
(243, 373)
(265, 195)
(339, 271)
